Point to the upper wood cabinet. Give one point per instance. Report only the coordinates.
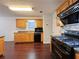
(70, 2)
(39, 23)
(75, 1)
(64, 5)
(20, 23)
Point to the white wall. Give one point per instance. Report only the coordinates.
(56, 30)
(7, 27)
(74, 27)
(47, 19)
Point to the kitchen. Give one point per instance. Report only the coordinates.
(27, 29)
(54, 34)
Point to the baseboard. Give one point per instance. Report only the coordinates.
(46, 42)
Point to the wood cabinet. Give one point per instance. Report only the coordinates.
(39, 23)
(65, 5)
(77, 56)
(70, 2)
(20, 37)
(62, 7)
(24, 37)
(20, 23)
(1, 45)
(75, 1)
(31, 37)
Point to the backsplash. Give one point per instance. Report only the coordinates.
(73, 27)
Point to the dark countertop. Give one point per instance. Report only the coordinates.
(69, 41)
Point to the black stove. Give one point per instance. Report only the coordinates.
(37, 35)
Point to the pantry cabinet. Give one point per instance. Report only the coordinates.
(20, 23)
(2, 45)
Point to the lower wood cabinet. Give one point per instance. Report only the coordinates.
(77, 56)
(1, 45)
(24, 37)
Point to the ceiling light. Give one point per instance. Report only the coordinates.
(20, 9)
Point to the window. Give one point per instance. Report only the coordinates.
(31, 24)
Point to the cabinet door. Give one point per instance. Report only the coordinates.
(28, 37)
(39, 23)
(1, 46)
(64, 5)
(75, 1)
(58, 11)
(31, 37)
(20, 37)
(76, 56)
(70, 2)
(20, 23)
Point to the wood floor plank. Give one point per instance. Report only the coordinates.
(26, 51)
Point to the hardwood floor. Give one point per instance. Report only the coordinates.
(26, 51)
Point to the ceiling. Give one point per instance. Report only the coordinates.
(47, 6)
